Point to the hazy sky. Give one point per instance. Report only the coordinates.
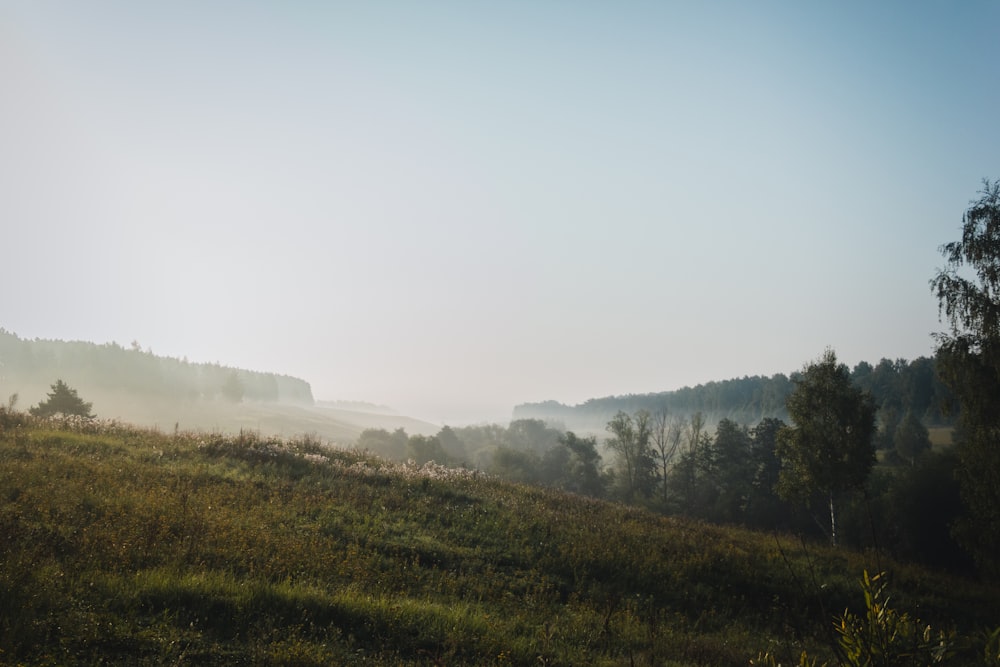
(454, 207)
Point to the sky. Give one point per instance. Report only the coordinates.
(450, 208)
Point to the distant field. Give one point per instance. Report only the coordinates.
(332, 423)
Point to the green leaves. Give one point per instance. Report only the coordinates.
(968, 291)
(829, 449)
(885, 637)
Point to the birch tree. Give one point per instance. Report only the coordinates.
(829, 447)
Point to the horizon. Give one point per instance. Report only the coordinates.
(375, 408)
(452, 209)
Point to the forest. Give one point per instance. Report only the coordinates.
(897, 385)
(727, 472)
(29, 366)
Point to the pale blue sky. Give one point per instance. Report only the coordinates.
(454, 207)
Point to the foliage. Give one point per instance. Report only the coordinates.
(667, 432)
(886, 637)
(382, 442)
(829, 449)
(764, 509)
(897, 385)
(583, 468)
(634, 465)
(911, 439)
(908, 512)
(63, 400)
(112, 368)
(968, 292)
(426, 449)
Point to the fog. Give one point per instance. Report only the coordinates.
(453, 209)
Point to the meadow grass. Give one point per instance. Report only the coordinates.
(126, 545)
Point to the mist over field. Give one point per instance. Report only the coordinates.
(455, 209)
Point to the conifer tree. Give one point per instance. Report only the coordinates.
(63, 400)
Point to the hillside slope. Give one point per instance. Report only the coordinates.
(127, 545)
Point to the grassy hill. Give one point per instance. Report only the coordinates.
(329, 422)
(124, 545)
(285, 420)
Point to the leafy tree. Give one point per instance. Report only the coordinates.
(584, 466)
(666, 436)
(911, 439)
(714, 477)
(730, 474)
(531, 434)
(918, 386)
(518, 465)
(62, 400)
(631, 445)
(968, 292)
(764, 508)
(390, 445)
(423, 449)
(684, 476)
(918, 510)
(829, 448)
(451, 443)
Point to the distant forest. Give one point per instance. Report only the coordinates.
(899, 387)
(30, 365)
(713, 452)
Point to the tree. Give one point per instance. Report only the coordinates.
(233, 389)
(968, 356)
(382, 442)
(531, 434)
(62, 400)
(634, 455)
(584, 475)
(685, 472)
(451, 443)
(666, 435)
(423, 449)
(731, 473)
(518, 465)
(829, 448)
(764, 508)
(911, 439)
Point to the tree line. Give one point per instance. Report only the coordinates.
(113, 368)
(898, 386)
(847, 455)
(764, 476)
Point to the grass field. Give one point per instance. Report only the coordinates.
(127, 546)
